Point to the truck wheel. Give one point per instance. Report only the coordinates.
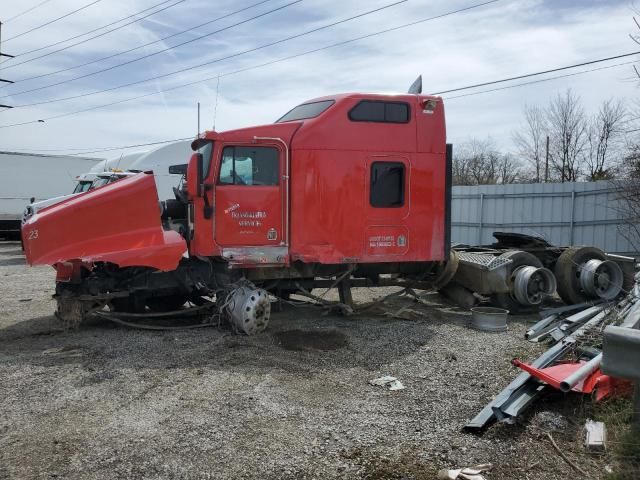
(505, 299)
(567, 272)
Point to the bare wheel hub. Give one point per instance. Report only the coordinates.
(249, 309)
(601, 278)
(531, 284)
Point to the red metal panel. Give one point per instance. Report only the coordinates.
(118, 223)
(248, 215)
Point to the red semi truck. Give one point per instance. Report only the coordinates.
(351, 186)
(346, 190)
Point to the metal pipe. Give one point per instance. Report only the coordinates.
(583, 372)
(542, 324)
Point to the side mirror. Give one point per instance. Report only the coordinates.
(180, 169)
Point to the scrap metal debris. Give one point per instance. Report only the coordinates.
(467, 473)
(573, 361)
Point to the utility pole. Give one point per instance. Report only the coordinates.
(4, 55)
(198, 134)
(546, 164)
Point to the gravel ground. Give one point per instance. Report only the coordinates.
(105, 402)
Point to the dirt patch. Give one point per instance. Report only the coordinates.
(407, 466)
(324, 340)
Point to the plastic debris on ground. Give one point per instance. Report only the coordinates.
(468, 473)
(392, 382)
(595, 435)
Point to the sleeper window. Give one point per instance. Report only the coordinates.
(378, 111)
(387, 184)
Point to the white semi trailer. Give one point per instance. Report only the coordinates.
(23, 199)
(159, 160)
(26, 176)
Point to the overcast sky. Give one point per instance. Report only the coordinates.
(502, 39)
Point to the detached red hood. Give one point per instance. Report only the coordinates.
(118, 223)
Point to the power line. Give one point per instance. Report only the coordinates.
(294, 56)
(100, 28)
(527, 75)
(216, 60)
(131, 49)
(26, 11)
(125, 147)
(97, 149)
(540, 81)
(13, 65)
(62, 82)
(271, 62)
(52, 21)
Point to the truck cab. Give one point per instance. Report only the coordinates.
(345, 179)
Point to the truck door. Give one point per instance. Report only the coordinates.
(250, 207)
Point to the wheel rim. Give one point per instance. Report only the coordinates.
(532, 284)
(601, 278)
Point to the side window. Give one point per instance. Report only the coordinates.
(387, 184)
(249, 166)
(379, 111)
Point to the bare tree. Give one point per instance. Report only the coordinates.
(509, 170)
(568, 131)
(478, 162)
(605, 138)
(531, 140)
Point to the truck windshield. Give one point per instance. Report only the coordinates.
(305, 111)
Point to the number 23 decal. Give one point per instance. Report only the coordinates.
(33, 234)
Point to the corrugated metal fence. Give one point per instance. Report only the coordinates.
(562, 213)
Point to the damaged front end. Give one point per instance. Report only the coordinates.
(105, 244)
(118, 223)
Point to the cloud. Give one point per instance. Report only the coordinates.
(506, 38)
